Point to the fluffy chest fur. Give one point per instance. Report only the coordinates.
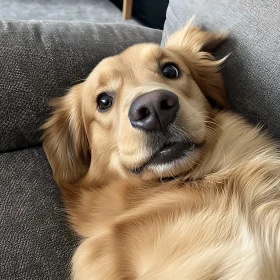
(220, 221)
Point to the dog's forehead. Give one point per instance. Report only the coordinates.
(133, 65)
(143, 53)
(128, 61)
(133, 56)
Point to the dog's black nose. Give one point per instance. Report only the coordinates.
(154, 110)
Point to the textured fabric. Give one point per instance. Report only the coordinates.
(252, 72)
(36, 242)
(98, 11)
(40, 60)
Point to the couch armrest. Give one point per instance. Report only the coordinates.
(40, 60)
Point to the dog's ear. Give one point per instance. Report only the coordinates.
(64, 138)
(195, 46)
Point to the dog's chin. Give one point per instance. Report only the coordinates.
(171, 160)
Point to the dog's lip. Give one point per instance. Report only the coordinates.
(168, 153)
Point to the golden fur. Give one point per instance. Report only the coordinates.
(218, 218)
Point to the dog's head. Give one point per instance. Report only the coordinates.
(142, 112)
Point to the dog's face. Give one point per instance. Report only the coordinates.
(143, 112)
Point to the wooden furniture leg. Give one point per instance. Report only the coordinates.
(127, 9)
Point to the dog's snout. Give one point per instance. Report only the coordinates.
(154, 110)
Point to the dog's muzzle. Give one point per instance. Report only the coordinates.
(154, 111)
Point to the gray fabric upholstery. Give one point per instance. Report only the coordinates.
(98, 11)
(40, 60)
(252, 72)
(36, 242)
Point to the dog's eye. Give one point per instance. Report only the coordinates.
(170, 71)
(104, 102)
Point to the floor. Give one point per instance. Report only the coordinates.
(98, 11)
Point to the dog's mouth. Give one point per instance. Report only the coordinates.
(168, 153)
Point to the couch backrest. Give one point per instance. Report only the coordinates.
(252, 72)
(41, 60)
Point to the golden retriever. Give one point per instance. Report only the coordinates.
(159, 184)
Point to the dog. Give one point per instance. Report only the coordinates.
(159, 178)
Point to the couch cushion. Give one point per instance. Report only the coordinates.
(252, 72)
(36, 242)
(40, 60)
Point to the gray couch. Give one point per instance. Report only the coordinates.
(41, 60)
